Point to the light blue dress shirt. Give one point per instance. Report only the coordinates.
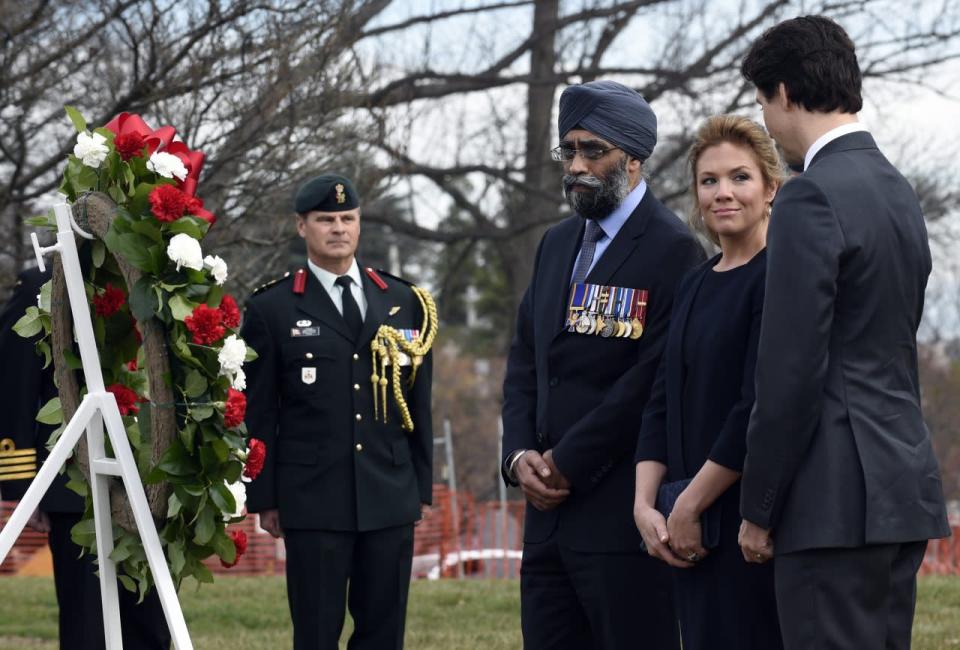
(612, 223)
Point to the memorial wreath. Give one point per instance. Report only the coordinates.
(167, 336)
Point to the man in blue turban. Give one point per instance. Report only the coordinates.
(590, 330)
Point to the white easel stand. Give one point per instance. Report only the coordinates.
(98, 407)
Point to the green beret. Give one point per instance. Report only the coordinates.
(326, 193)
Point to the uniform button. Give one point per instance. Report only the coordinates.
(554, 381)
(356, 387)
(309, 355)
(358, 416)
(359, 447)
(356, 357)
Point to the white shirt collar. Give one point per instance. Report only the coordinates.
(328, 279)
(830, 136)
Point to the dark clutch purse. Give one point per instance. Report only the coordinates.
(709, 519)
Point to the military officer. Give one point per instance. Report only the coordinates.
(340, 395)
(22, 446)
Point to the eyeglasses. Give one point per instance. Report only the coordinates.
(566, 153)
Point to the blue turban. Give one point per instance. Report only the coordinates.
(611, 111)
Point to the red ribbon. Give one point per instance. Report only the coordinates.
(162, 138)
(133, 123)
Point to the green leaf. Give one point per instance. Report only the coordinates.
(176, 556)
(143, 300)
(51, 412)
(73, 361)
(84, 533)
(203, 574)
(148, 228)
(187, 225)
(251, 355)
(200, 413)
(79, 123)
(180, 307)
(29, 324)
(224, 547)
(195, 384)
(173, 506)
(177, 461)
(127, 582)
(221, 449)
(222, 498)
(187, 434)
(44, 348)
(214, 296)
(205, 528)
(233, 471)
(98, 252)
(132, 247)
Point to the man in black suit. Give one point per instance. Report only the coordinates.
(590, 330)
(23, 390)
(348, 469)
(840, 476)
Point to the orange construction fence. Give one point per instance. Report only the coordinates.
(461, 538)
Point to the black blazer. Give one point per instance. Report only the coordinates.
(583, 396)
(838, 454)
(24, 388)
(330, 464)
(724, 395)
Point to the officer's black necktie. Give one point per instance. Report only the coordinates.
(351, 312)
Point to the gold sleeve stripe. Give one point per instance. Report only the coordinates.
(22, 466)
(17, 477)
(25, 456)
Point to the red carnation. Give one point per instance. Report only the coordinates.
(167, 203)
(109, 302)
(126, 399)
(230, 311)
(235, 408)
(240, 543)
(195, 207)
(205, 324)
(256, 454)
(132, 365)
(129, 145)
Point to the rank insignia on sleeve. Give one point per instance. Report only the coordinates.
(394, 310)
(16, 464)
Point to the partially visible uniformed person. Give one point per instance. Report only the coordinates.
(349, 441)
(25, 386)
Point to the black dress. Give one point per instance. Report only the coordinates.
(699, 410)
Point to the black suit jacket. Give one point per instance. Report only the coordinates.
(583, 396)
(330, 464)
(838, 454)
(24, 388)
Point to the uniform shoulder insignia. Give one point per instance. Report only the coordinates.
(272, 283)
(387, 274)
(375, 278)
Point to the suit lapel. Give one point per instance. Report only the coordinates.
(675, 376)
(623, 244)
(316, 302)
(376, 310)
(559, 293)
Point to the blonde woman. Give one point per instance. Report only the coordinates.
(692, 442)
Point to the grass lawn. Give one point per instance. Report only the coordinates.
(251, 614)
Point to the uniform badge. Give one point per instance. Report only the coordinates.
(308, 375)
(608, 312)
(394, 309)
(304, 323)
(304, 331)
(341, 197)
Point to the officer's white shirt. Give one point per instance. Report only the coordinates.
(829, 137)
(328, 281)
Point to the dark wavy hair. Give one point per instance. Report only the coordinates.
(814, 59)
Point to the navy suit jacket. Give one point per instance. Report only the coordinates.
(581, 395)
(838, 454)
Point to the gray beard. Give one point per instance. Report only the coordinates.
(605, 193)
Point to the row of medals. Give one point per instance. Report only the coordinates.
(590, 323)
(593, 321)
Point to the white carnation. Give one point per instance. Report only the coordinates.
(184, 250)
(91, 149)
(231, 357)
(218, 268)
(239, 380)
(167, 165)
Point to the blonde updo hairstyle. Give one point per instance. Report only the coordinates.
(740, 131)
